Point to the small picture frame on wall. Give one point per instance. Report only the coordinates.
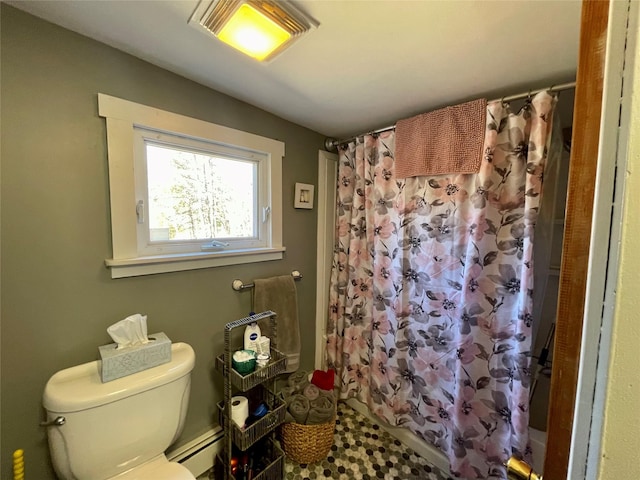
(304, 196)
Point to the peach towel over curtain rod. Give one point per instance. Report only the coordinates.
(445, 141)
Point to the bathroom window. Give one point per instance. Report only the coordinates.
(188, 194)
(197, 196)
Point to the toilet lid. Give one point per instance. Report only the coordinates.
(162, 470)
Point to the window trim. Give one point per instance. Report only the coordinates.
(121, 117)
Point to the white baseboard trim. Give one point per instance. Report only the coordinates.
(198, 455)
(407, 437)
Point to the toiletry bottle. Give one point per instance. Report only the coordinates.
(251, 336)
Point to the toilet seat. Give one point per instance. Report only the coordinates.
(157, 469)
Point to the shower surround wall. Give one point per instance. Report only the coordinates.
(57, 296)
(549, 299)
(548, 254)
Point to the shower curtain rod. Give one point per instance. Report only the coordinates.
(332, 143)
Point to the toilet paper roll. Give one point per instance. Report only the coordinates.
(239, 410)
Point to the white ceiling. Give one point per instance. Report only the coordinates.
(369, 63)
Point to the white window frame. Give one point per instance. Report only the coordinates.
(121, 118)
(259, 160)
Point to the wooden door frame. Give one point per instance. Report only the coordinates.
(585, 244)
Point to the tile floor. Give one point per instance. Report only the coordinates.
(364, 451)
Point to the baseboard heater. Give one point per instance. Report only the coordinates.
(198, 454)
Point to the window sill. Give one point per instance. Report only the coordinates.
(133, 267)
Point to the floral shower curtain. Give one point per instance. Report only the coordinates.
(431, 290)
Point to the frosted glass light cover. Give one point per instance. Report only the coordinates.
(253, 33)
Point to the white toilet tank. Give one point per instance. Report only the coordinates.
(115, 426)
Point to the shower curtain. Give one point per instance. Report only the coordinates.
(431, 290)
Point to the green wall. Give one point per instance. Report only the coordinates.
(58, 298)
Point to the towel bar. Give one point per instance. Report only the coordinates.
(237, 285)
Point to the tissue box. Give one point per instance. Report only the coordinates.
(118, 363)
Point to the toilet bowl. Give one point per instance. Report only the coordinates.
(120, 429)
(157, 469)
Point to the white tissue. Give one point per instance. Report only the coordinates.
(130, 332)
(242, 356)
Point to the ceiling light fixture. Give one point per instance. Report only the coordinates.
(261, 29)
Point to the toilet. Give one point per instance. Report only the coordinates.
(120, 429)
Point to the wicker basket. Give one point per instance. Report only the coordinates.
(307, 443)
